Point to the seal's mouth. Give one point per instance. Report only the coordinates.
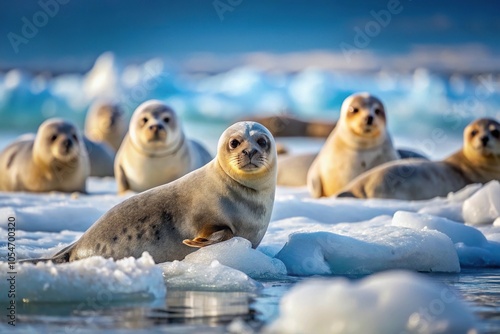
(250, 165)
(368, 129)
(157, 136)
(65, 154)
(484, 149)
(66, 147)
(155, 139)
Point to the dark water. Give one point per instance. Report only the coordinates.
(222, 312)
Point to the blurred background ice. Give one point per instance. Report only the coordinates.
(435, 65)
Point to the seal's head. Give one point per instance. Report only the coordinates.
(247, 153)
(362, 117)
(155, 129)
(482, 140)
(105, 117)
(57, 140)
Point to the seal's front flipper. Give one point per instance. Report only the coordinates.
(210, 236)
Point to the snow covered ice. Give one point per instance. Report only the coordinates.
(483, 207)
(105, 279)
(324, 253)
(305, 237)
(238, 253)
(472, 247)
(206, 277)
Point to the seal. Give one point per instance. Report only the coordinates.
(359, 142)
(233, 195)
(55, 160)
(477, 162)
(105, 122)
(155, 151)
(101, 156)
(293, 168)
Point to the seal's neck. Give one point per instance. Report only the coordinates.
(252, 185)
(351, 140)
(163, 153)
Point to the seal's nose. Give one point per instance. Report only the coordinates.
(369, 120)
(156, 127)
(250, 154)
(484, 140)
(67, 143)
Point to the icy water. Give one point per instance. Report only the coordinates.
(185, 311)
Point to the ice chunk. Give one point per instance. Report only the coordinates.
(94, 278)
(484, 206)
(102, 81)
(212, 277)
(381, 249)
(452, 211)
(473, 249)
(457, 232)
(238, 253)
(390, 302)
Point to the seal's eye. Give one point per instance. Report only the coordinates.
(234, 143)
(495, 133)
(53, 138)
(473, 133)
(262, 142)
(354, 110)
(378, 111)
(75, 138)
(144, 120)
(166, 119)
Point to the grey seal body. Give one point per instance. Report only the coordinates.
(477, 162)
(412, 179)
(101, 156)
(55, 160)
(233, 195)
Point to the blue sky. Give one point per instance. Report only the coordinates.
(138, 30)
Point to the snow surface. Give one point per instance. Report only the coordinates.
(389, 302)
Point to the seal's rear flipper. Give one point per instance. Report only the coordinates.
(346, 194)
(61, 257)
(205, 239)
